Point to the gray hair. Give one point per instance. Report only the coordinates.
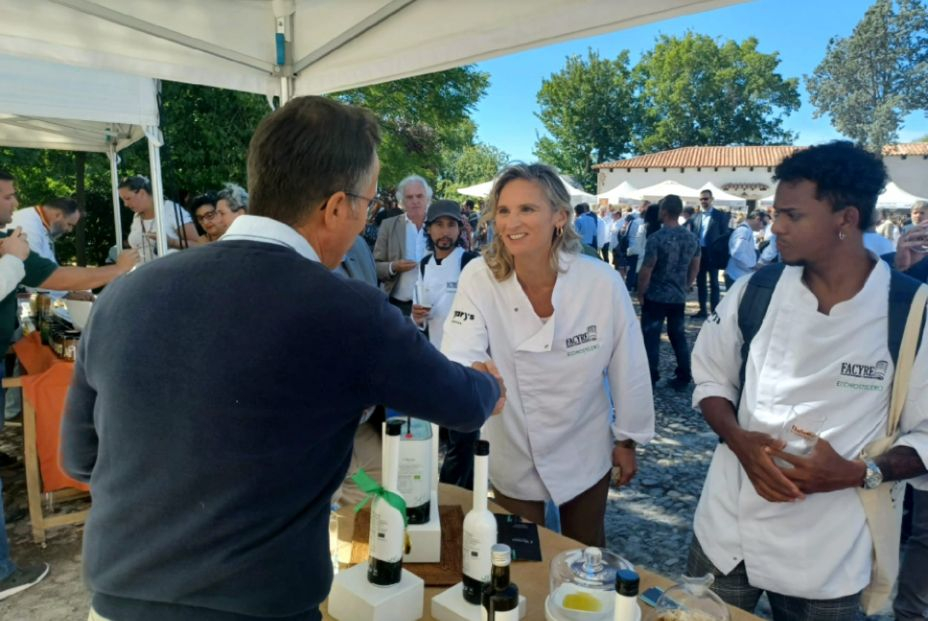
(235, 195)
(401, 188)
(920, 205)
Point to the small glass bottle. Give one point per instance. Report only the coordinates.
(626, 596)
(501, 597)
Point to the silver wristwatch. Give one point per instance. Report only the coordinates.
(874, 475)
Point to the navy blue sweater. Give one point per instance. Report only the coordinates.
(212, 410)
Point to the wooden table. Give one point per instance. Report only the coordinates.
(532, 578)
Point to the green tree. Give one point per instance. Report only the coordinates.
(420, 117)
(588, 109)
(868, 82)
(473, 164)
(695, 90)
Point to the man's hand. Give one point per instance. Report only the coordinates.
(753, 450)
(127, 259)
(624, 465)
(419, 314)
(489, 367)
(16, 244)
(402, 266)
(912, 247)
(822, 470)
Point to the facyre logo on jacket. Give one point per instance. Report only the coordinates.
(876, 372)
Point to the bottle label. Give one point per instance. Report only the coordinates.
(477, 563)
(415, 467)
(387, 532)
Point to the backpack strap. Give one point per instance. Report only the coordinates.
(902, 290)
(751, 312)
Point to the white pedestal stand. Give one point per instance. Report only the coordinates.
(450, 605)
(353, 598)
(425, 539)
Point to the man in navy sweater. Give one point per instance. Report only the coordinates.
(217, 391)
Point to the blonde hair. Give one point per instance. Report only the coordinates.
(497, 257)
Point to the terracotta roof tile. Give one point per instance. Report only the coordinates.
(914, 148)
(707, 157)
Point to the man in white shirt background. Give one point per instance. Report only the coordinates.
(798, 530)
(401, 243)
(45, 223)
(742, 248)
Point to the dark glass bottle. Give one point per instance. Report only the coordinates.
(500, 596)
(385, 566)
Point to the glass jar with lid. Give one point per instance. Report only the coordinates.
(582, 585)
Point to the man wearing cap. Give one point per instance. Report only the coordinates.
(439, 271)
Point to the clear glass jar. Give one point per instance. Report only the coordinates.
(582, 585)
(691, 600)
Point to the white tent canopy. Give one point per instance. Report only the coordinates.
(286, 47)
(49, 106)
(481, 190)
(662, 189)
(577, 196)
(622, 192)
(894, 197)
(722, 197)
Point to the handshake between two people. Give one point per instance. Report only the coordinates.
(487, 366)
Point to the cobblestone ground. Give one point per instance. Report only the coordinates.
(648, 522)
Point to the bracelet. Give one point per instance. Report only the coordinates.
(628, 443)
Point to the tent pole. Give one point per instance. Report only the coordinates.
(153, 134)
(114, 182)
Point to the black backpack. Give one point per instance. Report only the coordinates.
(756, 299)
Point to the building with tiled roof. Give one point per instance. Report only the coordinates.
(745, 171)
(707, 157)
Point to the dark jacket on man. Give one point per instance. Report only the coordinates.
(214, 401)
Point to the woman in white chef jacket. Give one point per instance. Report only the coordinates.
(562, 330)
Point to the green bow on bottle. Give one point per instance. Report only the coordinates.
(372, 488)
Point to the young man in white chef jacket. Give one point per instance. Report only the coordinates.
(799, 532)
(439, 272)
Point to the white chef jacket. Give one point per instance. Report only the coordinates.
(554, 438)
(441, 283)
(837, 365)
(40, 241)
(742, 255)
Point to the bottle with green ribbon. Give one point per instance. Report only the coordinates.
(388, 516)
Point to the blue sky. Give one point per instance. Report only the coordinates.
(798, 29)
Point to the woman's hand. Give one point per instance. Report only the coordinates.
(624, 465)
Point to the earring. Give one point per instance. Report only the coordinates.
(841, 235)
(558, 231)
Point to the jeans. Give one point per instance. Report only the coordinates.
(714, 293)
(458, 467)
(6, 565)
(652, 322)
(912, 599)
(631, 278)
(735, 590)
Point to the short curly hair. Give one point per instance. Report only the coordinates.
(844, 174)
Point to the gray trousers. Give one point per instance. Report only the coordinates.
(912, 599)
